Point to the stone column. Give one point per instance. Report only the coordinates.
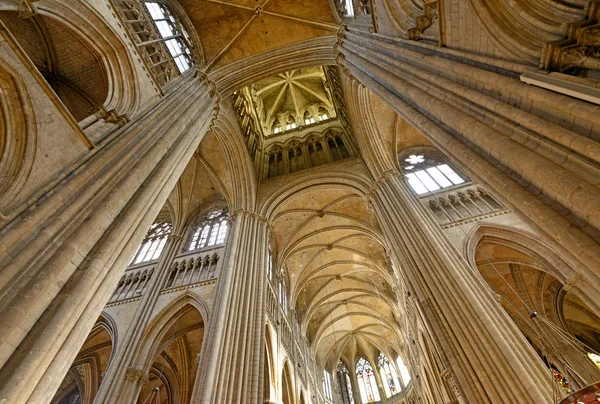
(63, 257)
(534, 147)
(233, 352)
(492, 360)
(118, 385)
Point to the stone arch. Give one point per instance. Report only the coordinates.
(17, 135)
(170, 344)
(116, 91)
(85, 375)
(287, 384)
(543, 257)
(270, 380)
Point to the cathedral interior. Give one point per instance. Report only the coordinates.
(299, 202)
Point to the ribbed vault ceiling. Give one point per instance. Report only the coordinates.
(331, 251)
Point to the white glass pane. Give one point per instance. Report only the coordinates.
(386, 386)
(427, 180)
(142, 253)
(395, 379)
(404, 373)
(174, 47)
(415, 184)
(222, 233)
(439, 177)
(159, 249)
(164, 28)
(180, 65)
(155, 11)
(455, 178)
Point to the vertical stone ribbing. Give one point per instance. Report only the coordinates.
(491, 358)
(65, 255)
(520, 151)
(116, 386)
(232, 355)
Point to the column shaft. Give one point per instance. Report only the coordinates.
(232, 358)
(64, 256)
(492, 360)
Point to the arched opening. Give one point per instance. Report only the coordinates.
(172, 373)
(367, 383)
(287, 385)
(83, 379)
(344, 384)
(72, 68)
(560, 326)
(269, 379)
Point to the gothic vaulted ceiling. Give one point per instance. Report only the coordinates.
(234, 29)
(331, 250)
(290, 92)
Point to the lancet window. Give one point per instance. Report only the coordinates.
(327, 385)
(211, 230)
(344, 383)
(283, 295)
(404, 373)
(173, 35)
(367, 384)
(391, 384)
(290, 123)
(153, 243)
(425, 175)
(323, 114)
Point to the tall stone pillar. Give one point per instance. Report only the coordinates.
(119, 385)
(492, 360)
(232, 356)
(63, 257)
(535, 148)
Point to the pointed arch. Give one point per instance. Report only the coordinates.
(287, 384)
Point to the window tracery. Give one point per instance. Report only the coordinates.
(161, 38)
(391, 384)
(153, 243)
(211, 230)
(367, 384)
(323, 114)
(345, 384)
(173, 34)
(424, 175)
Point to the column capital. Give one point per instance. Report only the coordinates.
(247, 213)
(136, 376)
(383, 178)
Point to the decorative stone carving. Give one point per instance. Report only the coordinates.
(424, 21)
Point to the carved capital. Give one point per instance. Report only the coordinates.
(136, 376)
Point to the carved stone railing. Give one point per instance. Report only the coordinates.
(186, 269)
(460, 205)
(133, 283)
(285, 332)
(271, 303)
(195, 267)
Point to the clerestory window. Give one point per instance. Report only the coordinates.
(391, 384)
(153, 243)
(424, 176)
(344, 383)
(173, 35)
(211, 230)
(367, 384)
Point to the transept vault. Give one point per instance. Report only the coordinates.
(299, 202)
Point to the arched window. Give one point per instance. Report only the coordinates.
(327, 385)
(276, 126)
(426, 176)
(404, 373)
(291, 123)
(211, 230)
(391, 384)
(323, 114)
(595, 359)
(153, 243)
(343, 377)
(308, 118)
(367, 385)
(174, 36)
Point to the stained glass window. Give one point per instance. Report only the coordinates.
(153, 243)
(425, 177)
(562, 382)
(173, 35)
(344, 383)
(391, 385)
(367, 384)
(211, 230)
(594, 358)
